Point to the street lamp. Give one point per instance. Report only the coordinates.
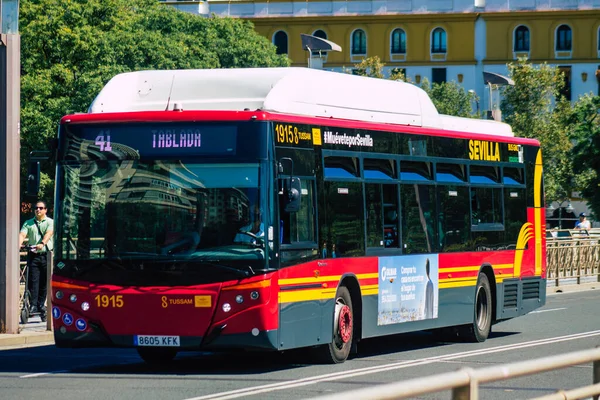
(476, 98)
(550, 210)
(316, 44)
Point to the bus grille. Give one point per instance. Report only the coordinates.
(510, 295)
(531, 290)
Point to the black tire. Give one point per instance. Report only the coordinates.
(25, 309)
(339, 349)
(24, 315)
(481, 327)
(156, 355)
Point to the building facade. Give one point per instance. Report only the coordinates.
(441, 40)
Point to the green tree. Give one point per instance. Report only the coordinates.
(449, 98)
(532, 111)
(585, 132)
(71, 48)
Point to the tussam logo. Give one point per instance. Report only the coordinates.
(358, 140)
(388, 273)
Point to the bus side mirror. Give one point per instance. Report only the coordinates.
(33, 178)
(292, 195)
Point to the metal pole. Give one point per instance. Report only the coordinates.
(10, 95)
(596, 374)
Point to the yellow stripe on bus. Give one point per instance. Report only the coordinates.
(368, 290)
(306, 295)
(473, 268)
(537, 203)
(322, 279)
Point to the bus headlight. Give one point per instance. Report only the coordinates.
(85, 306)
(239, 299)
(254, 295)
(73, 298)
(226, 307)
(59, 295)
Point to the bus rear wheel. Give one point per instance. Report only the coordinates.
(343, 329)
(156, 355)
(482, 321)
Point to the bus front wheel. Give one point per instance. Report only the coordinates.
(482, 321)
(156, 355)
(343, 329)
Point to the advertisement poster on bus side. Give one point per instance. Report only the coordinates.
(408, 289)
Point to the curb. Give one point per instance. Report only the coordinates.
(27, 339)
(555, 290)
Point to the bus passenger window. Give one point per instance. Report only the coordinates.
(453, 218)
(344, 219)
(418, 220)
(513, 176)
(382, 215)
(374, 215)
(341, 167)
(515, 214)
(299, 226)
(379, 169)
(415, 171)
(390, 215)
(484, 174)
(486, 208)
(451, 173)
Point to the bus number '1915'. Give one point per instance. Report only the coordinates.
(286, 134)
(105, 301)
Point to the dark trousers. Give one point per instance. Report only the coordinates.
(38, 267)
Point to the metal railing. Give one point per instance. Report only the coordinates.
(465, 383)
(573, 255)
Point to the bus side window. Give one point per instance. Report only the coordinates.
(453, 218)
(299, 226)
(382, 215)
(418, 219)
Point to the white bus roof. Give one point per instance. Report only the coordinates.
(297, 91)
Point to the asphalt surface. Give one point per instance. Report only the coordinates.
(567, 323)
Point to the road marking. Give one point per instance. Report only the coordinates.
(233, 394)
(43, 373)
(552, 309)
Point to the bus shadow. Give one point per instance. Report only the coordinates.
(54, 361)
(415, 341)
(51, 360)
(201, 363)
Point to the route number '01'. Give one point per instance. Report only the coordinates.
(105, 301)
(103, 142)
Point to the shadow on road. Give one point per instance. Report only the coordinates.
(49, 359)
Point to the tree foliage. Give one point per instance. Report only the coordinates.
(448, 97)
(71, 48)
(584, 122)
(531, 108)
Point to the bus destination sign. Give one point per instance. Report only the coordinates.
(482, 150)
(152, 140)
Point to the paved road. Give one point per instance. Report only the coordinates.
(568, 322)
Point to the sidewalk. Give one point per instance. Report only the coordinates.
(32, 333)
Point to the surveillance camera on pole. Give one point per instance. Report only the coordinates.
(320, 45)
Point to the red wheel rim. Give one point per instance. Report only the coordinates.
(345, 324)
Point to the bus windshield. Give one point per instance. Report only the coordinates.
(133, 209)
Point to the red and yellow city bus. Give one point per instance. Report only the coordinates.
(273, 209)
